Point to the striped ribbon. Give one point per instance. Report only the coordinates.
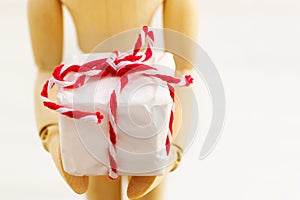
(119, 65)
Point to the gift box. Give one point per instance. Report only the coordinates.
(116, 110)
(143, 123)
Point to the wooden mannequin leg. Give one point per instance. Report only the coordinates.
(102, 188)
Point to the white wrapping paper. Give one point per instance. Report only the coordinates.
(143, 115)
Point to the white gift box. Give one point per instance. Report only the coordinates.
(143, 113)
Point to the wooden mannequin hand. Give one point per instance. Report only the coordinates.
(139, 186)
(50, 139)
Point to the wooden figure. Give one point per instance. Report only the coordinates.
(95, 21)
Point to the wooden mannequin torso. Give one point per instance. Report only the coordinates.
(97, 20)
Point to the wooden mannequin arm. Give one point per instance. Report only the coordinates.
(46, 31)
(181, 16)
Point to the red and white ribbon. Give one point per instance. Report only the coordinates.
(120, 65)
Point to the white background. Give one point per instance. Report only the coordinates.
(255, 46)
